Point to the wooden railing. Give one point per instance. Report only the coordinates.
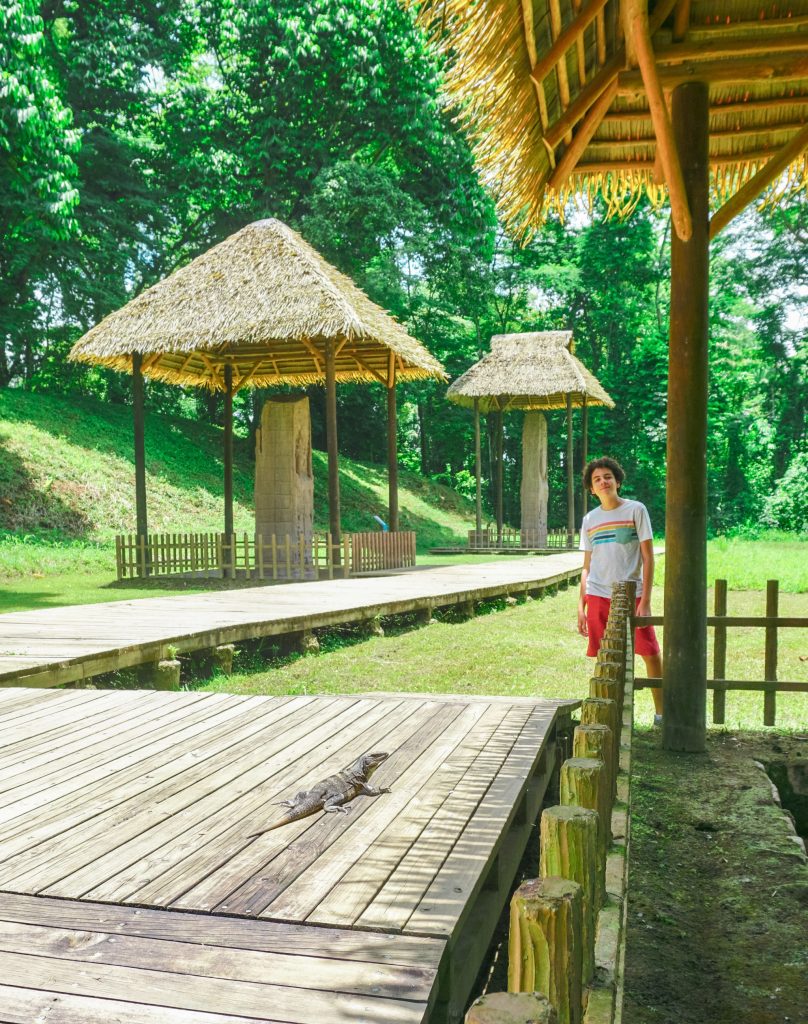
(254, 556)
(556, 971)
(513, 538)
(771, 622)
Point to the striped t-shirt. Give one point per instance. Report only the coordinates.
(613, 536)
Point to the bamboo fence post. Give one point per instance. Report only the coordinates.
(288, 557)
(584, 784)
(720, 654)
(274, 557)
(569, 849)
(770, 667)
(346, 553)
(603, 711)
(544, 945)
(607, 689)
(511, 1008)
(596, 741)
(259, 554)
(329, 556)
(301, 543)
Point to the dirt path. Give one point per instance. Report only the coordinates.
(718, 891)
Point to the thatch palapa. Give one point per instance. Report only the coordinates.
(264, 302)
(536, 370)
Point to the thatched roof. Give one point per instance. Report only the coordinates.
(264, 301)
(528, 371)
(555, 94)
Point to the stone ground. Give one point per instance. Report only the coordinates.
(718, 886)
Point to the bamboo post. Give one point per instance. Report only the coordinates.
(223, 658)
(288, 552)
(607, 689)
(259, 554)
(584, 453)
(499, 448)
(604, 711)
(685, 649)
(596, 741)
(584, 784)
(301, 554)
(228, 457)
(392, 446)
(166, 675)
(478, 500)
(331, 434)
(770, 665)
(139, 416)
(569, 849)
(720, 654)
(511, 1008)
(544, 945)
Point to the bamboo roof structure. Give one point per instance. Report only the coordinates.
(531, 371)
(264, 302)
(570, 98)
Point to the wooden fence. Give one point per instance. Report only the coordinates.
(566, 947)
(771, 622)
(513, 538)
(257, 557)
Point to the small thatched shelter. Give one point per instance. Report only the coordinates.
(261, 308)
(532, 372)
(702, 102)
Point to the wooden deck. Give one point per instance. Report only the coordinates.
(132, 891)
(53, 646)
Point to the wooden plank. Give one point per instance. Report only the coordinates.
(415, 731)
(764, 685)
(467, 865)
(161, 988)
(355, 898)
(160, 777)
(219, 930)
(103, 870)
(301, 899)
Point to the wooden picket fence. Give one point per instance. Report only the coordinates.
(771, 622)
(513, 538)
(257, 557)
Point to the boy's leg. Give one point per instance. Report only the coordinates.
(653, 669)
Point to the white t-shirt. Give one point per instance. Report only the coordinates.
(613, 536)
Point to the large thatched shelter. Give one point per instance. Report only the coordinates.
(532, 372)
(261, 308)
(702, 102)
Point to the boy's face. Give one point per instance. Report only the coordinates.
(604, 483)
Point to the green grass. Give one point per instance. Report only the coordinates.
(747, 564)
(527, 650)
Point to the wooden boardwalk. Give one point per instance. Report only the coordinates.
(53, 646)
(131, 889)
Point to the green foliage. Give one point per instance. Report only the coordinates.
(786, 508)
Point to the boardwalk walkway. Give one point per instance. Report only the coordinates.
(53, 646)
(132, 889)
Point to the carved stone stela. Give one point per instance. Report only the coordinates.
(534, 481)
(284, 480)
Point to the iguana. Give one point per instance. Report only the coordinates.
(330, 794)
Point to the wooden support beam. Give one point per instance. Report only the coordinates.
(478, 469)
(580, 50)
(681, 19)
(666, 145)
(554, 9)
(600, 37)
(596, 86)
(532, 53)
(764, 177)
(584, 453)
(139, 418)
(742, 70)
(607, 146)
(331, 436)
(392, 446)
(573, 32)
(713, 49)
(582, 137)
(315, 355)
(717, 109)
(570, 477)
(685, 649)
(380, 377)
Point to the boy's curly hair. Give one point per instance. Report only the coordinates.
(604, 463)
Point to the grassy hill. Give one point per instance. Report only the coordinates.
(67, 482)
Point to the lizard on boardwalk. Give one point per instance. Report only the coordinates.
(330, 794)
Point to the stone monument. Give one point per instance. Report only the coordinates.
(535, 489)
(284, 481)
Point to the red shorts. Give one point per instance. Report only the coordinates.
(597, 612)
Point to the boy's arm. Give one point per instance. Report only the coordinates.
(647, 555)
(582, 598)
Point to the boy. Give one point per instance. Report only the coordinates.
(618, 545)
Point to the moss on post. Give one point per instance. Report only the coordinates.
(544, 948)
(597, 741)
(511, 1008)
(222, 657)
(584, 783)
(603, 711)
(569, 849)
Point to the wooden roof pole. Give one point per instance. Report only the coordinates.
(579, 47)
(595, 87)
(532, 53)
(392, 445)
(561, 67)
(570, 477)
(582, 137)
(681, 20)
(333, 454)
(685, 648)
(764, 177)
(668, 154)
(138, 414)
(478, 470)
(569, 37)
(228, 456)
